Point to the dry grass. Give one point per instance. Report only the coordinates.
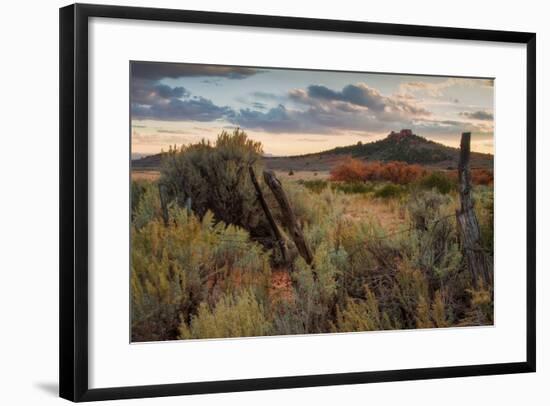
(303, 175)
(388, 214)
(145, 175)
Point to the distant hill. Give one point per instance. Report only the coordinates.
(149, 162)
(397, 146)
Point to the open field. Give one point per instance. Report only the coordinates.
(226, 248)
(150, 175)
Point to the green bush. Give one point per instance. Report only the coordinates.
(316, 185)
(215, 177)
(240, 316)
(192, 261)
(484, 204)
(145, 203)
(315, 295)
(439, 181)
(137, 191)
(389, 191)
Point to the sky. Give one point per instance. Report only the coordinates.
(294, 112)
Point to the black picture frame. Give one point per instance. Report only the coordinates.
(74, 195)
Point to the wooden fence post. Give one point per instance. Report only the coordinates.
(288, 216)
(270, 219)
(468, 226)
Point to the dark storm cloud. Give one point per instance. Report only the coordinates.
(478, 115)
(157, 71)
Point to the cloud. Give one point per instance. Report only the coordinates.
(259, 106)
(277, 119)
(362, 95)
(155, 100)
(452, 127)
(436, 89)
(156, 71)
(151, 92)
(151, 99)
(315, 109)
(478, 115)
(192, 109)
(266, 95)
(319, 109)
(359, 94)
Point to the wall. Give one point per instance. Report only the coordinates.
(29, 254)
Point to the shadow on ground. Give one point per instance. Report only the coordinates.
(51, 388)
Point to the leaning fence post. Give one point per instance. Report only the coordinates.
(468, 226)
(270, 219)
(288, 216)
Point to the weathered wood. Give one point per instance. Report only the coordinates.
(289, 218)
(163, 204)
(270, 219)
(468, 226)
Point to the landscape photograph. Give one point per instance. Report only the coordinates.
(274, 201)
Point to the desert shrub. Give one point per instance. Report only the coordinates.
(175, 268)
(396, 172)
(354, 170)
(147, 204)
(436, 250)
(316, 185)
(439, 181)
(215, 177)
(484, 206)
(308, 210)
(351, 170)
(315, 295)
(361, 315)
(482, 177)
(232, 316)
(480, 310)
(478, 176)
(389, 191)
(138, 188)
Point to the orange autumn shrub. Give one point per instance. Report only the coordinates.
(478, 176)
(482, 177)
(401, 173)
(356, 170)
(352, 170)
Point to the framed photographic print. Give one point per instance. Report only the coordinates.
(257, 202)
